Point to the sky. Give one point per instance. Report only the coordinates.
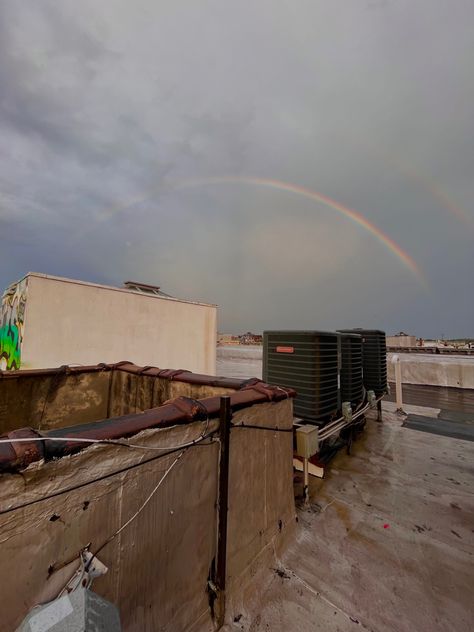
(303, 164)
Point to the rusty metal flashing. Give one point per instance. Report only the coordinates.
(15, 457)
(179, 375)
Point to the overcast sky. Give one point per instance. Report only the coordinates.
(108, 110)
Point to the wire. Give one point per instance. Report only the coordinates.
(71, 488)
(244, 425)
(79, 574)
(144, 504)
(109, 441)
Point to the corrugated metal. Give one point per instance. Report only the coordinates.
(311, 369)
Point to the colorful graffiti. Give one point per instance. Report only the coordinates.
(12, 318)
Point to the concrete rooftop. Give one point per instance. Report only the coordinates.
(386, 544)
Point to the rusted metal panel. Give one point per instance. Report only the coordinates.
(181, 375)
(16, 456)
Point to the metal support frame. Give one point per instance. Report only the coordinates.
(305, 481)
(221, 570)
(379, 410)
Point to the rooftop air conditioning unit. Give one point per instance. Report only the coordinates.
(374, 359)
(309, 362)
(352, 384)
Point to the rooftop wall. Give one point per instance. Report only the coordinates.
(56, 398)
(160, 564)
(435, 370)
(71, 322)
(12, 320)
(401, 341)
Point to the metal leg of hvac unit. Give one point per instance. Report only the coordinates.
(379, 410)
(305, 481)
(307, 445)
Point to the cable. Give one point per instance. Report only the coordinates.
(71, 488)
(132, 518)
(109, 441)
(244, 425)
(84, 569)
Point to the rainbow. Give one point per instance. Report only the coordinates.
(424, 181)
(438, 194)
(351, 214)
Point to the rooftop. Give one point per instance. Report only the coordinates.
(386, 544)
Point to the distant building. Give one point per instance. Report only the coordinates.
(49, 321)
(251, 339)
(227, 339)
(401, 340)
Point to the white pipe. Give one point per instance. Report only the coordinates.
(339, 424)
(398, 384)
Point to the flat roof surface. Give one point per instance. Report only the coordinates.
(387, 542)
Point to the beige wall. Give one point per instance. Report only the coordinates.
(159, 565)
(455, 371)
(69, 322)
(401, 341)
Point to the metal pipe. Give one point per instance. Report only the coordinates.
(334, 427)
(331, 424)
(221, 570)
(306, 480)
(332, 431)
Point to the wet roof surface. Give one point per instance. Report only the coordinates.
(386, 544)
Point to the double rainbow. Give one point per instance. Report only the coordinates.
(351, 214)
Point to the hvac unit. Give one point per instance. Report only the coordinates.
(307, 361)
(352, 385)
(374, 359)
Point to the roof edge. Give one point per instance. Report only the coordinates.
(50, 277)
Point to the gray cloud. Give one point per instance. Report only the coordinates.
(106, 108)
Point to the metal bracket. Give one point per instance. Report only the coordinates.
(89, 569)
(347, 411)
(372, 399)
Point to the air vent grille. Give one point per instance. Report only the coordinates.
(352, 385)
(307, 361)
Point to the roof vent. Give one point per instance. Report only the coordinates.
(145, 288)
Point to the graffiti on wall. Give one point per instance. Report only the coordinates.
(12, 319)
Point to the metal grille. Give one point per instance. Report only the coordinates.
(307, 361)
(374, 353)
(352, 385)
